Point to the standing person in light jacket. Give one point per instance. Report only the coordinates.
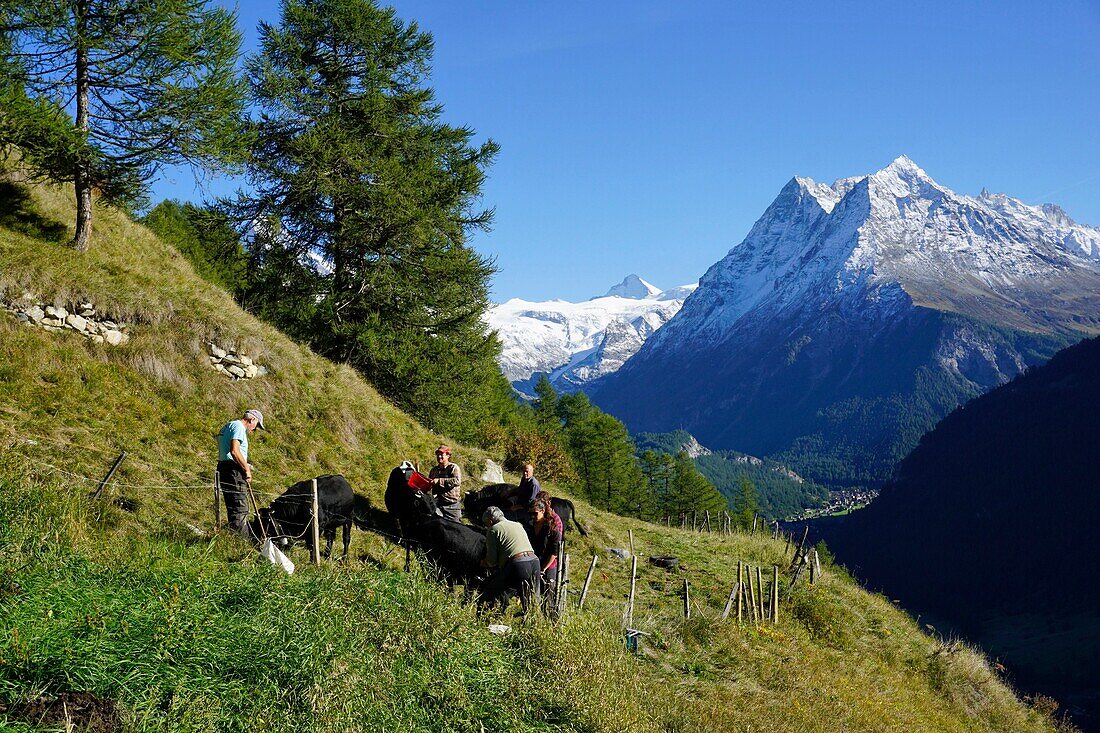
(234, 470)
(446, 478)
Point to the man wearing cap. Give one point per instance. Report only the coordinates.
(446, 478)
(234, 471)
(508, 549)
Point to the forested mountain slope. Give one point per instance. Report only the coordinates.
(991, 520)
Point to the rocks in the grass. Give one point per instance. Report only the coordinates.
(81, 318)
(492, 474)
(234, 364)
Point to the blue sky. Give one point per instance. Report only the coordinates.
(647, 137)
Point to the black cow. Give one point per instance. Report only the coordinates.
(289, 516)
(476, 502)
(455, 549)
(404, 503)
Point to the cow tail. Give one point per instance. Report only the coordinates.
(577, 521)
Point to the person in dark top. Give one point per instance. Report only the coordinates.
(546, 531)
(524, 497)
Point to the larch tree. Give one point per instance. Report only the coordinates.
(354, 167)
(145, 83)
(745, 504)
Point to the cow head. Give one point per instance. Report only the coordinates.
(406, 504)
(266, 525)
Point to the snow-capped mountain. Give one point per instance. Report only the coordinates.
(574, 343)
(632, 286)
(854, 315)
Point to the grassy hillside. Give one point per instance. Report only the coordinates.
(189, 630)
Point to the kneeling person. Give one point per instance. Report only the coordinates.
(508, 549)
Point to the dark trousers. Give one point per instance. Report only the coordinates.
(452, 512)
(235, 492)
(518, 577)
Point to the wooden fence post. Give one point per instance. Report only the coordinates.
(734, 591)
(740, 593)
(106, 479)
(817, 562)
(563, 591)
(752, 598)
(813, 566)
(683, 520)
(787, 547)
(760, 591)
(587, 582)
(801, 546)
(687, 599)
(706, 521)
(797, 574)
(694, 521)
(775, 594)
(629, 621)
(316, 529)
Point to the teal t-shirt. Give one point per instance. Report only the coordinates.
(233, 430)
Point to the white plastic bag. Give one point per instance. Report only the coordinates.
(276, 557)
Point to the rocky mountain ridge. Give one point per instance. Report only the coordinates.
(855, 315)
(575, 343)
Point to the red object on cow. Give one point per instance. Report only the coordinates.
(419, 481)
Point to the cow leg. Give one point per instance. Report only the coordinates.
(330, 537)
(347, 540)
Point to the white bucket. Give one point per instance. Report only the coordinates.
(276, 557)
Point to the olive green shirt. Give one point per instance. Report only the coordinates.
(503, 540)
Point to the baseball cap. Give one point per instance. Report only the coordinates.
(258, 416)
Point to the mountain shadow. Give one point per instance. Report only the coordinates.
(989, 528)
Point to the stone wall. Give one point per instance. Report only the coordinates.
(81, 318)
(233, 364)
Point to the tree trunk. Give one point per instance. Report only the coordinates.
(82, 178)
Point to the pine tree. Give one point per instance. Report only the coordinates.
(745, 504)
(546, 406)
(353, 163)
(603, 457)
(146, 83)
(691, 491)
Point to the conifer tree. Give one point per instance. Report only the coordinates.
(546, 406)
(745, 503)
(691, 491)
(603, 457)
(147, 83)
(353, 164)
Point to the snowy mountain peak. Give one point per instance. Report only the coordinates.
(878, 243)
(904, 167)
(575, 343)
(840, 296)
(634, 287)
